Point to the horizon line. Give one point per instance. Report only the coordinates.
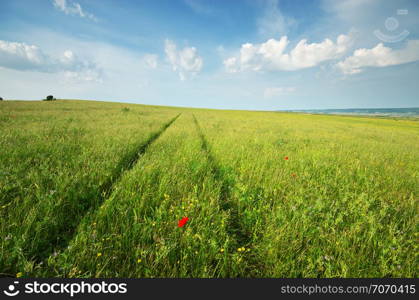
(273, 110)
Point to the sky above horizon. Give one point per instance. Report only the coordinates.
(242, 54)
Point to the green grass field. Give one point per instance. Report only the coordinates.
(96, 189)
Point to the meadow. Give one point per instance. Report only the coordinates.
(96, 189)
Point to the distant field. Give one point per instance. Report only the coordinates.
(96, 189)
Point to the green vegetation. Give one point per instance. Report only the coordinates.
(96, 189)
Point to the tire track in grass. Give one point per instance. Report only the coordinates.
(234, 228)
(169, 175)
(126, 163)
(129, 161)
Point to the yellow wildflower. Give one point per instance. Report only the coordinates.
(99, 254)
(222, 250)
(18, 275)
(139, 260)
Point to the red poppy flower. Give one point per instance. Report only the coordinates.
(182, 222)
(294, 175)
(286, 157)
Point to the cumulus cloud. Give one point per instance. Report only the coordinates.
(23, 57)
(186, 62)
(278, 91)
(20, 56)
(379, 56)
(272, 55)
(72, 8)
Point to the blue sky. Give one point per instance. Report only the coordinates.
(232, 54)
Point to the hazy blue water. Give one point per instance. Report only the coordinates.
(390, 112)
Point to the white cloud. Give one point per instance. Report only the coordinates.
(151, 60)
(274, 22)
(23, 57)
(278, 91)
(231, 64)
(379, 56)
(271, 55)
(186, 61)
(20, 56)
(73, 8)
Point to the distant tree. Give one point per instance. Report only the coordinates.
(49, 98)
(1, 99)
